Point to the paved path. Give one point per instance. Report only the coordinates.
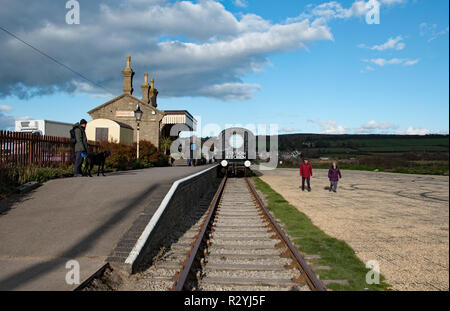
(402, 221)
(73, 218)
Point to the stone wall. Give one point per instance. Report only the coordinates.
(185, 197)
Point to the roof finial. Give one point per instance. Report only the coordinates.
(128, 61)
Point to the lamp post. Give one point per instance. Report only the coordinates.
(138, 115)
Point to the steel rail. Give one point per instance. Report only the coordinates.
(96, 274)
(312, 280)
(180, 283)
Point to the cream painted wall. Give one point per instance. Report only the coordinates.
(116, 133)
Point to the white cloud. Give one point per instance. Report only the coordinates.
(192, 48)
(230, 91)
(431, 31)
(391, 43)
(373, 126)
(411, 62)
(330, 127)
(392, 2)
(383, 62)
(394, 61)
(335, 10)
(378, 125)
(216, 50)
(423, 28)
(288, 130)
(240, 3)
(419, 131)
(367, 69)
(5, 108)
(86, 88)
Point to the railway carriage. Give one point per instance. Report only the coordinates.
(236, 150)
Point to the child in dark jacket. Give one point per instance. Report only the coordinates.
(334, 174)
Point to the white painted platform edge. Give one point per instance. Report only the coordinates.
(156, 216)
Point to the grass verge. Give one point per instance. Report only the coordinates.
(12, 177)
(310, 239)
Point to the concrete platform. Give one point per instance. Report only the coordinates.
(74, 218)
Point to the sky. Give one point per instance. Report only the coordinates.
(306, 66)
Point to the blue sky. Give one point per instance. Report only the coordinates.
(387, 78)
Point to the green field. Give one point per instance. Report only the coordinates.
(388, 153)
(363, 144)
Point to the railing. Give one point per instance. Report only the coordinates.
(17, 148)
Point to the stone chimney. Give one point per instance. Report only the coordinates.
(128, 74)
(153, 93)
(145, 89)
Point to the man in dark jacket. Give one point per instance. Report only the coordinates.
(306, 173)
(333, 175)
(81, 146)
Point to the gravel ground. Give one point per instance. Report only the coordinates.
(269, 251)
(267, 243)
(254, 235)
(235, 230)
(253, 261)
(400, 220)
(284, 274)
(212, 287)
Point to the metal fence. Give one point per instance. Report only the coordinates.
(23, 149)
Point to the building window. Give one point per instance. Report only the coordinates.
(101, 134)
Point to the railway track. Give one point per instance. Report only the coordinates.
(229, 241)
(241, 247)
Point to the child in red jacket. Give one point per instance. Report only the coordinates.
(306, 173)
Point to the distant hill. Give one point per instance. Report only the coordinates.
(388, 153)
(341, 145)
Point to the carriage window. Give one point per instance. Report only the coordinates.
(236, 141)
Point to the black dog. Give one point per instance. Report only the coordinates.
(95, 159)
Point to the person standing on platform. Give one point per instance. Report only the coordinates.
(81, 146)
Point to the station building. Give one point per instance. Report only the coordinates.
(155, 123)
